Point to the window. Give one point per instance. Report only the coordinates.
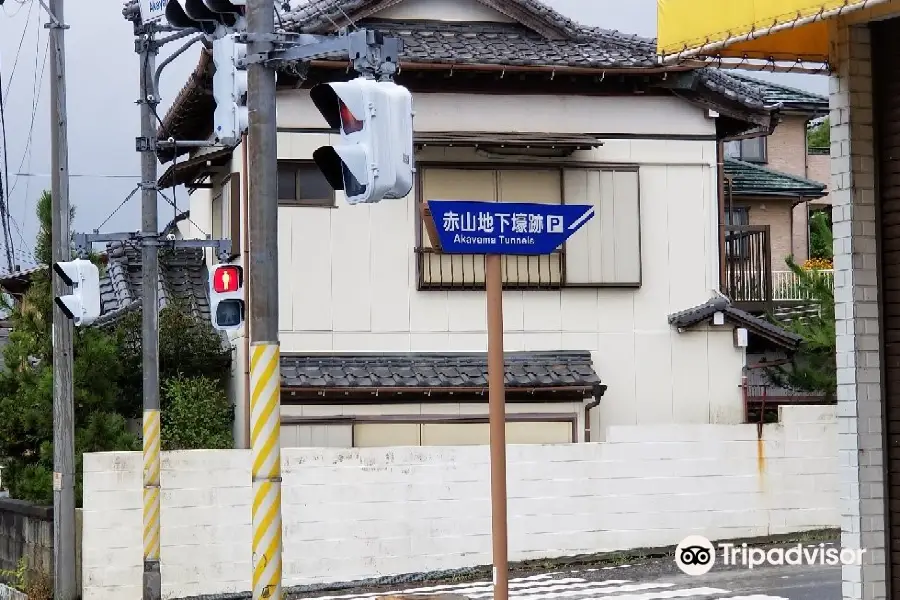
(749, 150)
(303, 184)
(605, 252)
(738, 216)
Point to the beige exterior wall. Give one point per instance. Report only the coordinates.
(776, 213)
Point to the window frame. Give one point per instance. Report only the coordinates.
(762, 140)
(560, 166)
(298, 165)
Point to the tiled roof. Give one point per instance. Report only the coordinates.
(524, 370)
(540, 38)
(182, 278)
(775, 93)
(513, 44)
(754, 325)
(749, 179)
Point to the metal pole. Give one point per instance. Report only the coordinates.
(64, 581)
(497, 409)
(147, 50)
(262, 297)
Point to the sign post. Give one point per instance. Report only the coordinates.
(495, 229)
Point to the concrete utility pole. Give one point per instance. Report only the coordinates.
(262, 296)
(147, 50)
(63, 393)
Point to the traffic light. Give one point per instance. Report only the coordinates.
(83, 304)
(229, 90)
(375, 158)
(207, 15)
(226, 297)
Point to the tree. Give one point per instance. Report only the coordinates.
(26, 387)
(821, 239)
(197, 414)
(819, 135)
(187, 346)
(813, 368)
(194, 363)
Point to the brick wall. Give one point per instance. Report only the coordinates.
(776, 213)
(786, 147)
(355, 513)
(856, 306)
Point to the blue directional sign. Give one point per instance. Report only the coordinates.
(513, 228)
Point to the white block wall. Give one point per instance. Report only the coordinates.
(358, 513)
(856, 310)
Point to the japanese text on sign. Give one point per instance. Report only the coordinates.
(518, 224)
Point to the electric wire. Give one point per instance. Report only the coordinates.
(19, 49)
(35, 102)
(119, 207)
(4, 183)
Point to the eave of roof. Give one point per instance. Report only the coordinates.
(749, 179)
(408, 372)
(792, 99)
(703, 313)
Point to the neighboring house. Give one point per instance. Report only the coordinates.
(383, 337)
(772, 184)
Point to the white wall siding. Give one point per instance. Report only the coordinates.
(351, 514)
(650, 115)
(349, 279)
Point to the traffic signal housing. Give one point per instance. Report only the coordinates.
(226, 297)
(83, 304)
(374, 160)
(231, 118)
(207, 15)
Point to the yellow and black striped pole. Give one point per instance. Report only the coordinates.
(265, 429)
(151, 485)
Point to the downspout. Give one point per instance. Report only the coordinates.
(720, 160)
(245, 247)
(599, 389)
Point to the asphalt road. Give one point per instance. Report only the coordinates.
(655, 579)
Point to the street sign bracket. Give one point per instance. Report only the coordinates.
(371, 53)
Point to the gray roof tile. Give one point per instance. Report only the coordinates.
(749, 179)
(183, 278)
(775, 93)
(526, 370)
(755, 325)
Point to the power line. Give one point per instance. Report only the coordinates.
(35, 101)
(87, 175)
(19, 49)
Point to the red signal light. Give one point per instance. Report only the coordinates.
(349, 123)
(227, 279)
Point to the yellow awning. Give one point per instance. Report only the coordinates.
(781, 30)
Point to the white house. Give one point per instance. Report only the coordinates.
(383, 337)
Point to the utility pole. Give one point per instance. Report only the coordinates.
(262, 296)
(147, 49)
(497, 416)
(63, 393)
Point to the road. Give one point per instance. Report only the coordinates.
(652, 580)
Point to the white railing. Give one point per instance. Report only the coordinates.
(786, 285)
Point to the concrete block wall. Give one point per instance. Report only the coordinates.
(856, 307)
(356, 513)
(26, 530)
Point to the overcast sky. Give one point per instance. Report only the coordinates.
(103, 118)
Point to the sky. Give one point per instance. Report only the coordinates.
(102, 86)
